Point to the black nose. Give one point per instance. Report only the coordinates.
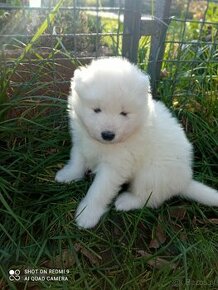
(107, 135)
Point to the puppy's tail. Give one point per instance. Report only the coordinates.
(201, 193)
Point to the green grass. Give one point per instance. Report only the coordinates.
(37, 224)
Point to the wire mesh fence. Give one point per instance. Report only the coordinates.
(190, 61)
(175, 41)
(75, 35)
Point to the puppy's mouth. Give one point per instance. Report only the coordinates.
(103, 141)
(108, 140)
(107, 137)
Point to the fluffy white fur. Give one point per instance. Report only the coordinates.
(122, 135)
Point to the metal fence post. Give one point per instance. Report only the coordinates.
(131, 30)
(162, 13)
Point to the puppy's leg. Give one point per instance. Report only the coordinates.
(137, 195)
(153, 185)
(129, 201)
(74, 169)
(105, 186)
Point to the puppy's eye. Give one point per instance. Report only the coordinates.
(97, 110)
(124, 114)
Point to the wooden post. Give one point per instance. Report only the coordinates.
(131, 31)
(162, 13)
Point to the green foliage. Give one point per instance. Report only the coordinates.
(190, 83)
(113, 42)
(8, 72)
(143, 52)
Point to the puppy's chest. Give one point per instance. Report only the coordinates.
(92, 159)
(92, 154)
(116, 156)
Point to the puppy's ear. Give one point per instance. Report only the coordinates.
(79, 81)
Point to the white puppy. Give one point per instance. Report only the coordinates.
(122, 135)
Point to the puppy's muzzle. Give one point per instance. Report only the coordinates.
(107, 135)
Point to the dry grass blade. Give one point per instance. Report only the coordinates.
(159, 236)
(65, 259)
(213, 221)
(93, 258)
(159, 239)
(156, 262)
(178, 213)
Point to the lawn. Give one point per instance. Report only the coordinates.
(173, 247)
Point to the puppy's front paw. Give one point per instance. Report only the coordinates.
(88, 215)
(67, 174)
(128, 201)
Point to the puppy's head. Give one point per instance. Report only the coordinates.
(110, 98)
